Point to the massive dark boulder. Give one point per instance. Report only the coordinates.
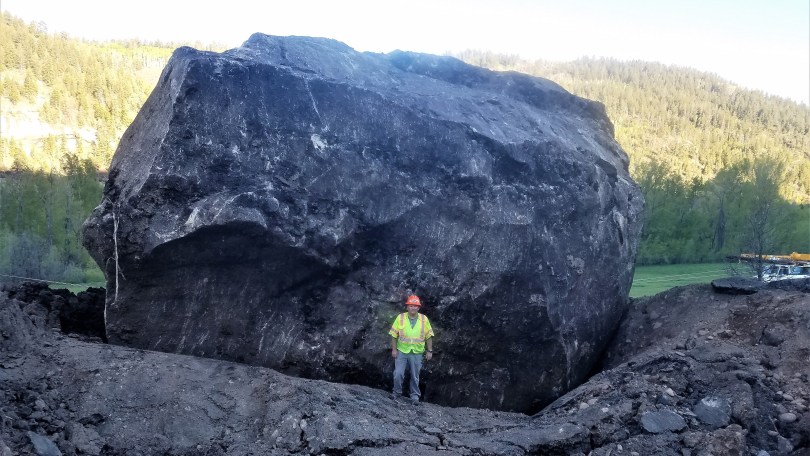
(274, 205)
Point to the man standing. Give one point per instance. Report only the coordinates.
(410, 333)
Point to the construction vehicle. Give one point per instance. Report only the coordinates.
(779, 267)
(792, 258)
(771, 272)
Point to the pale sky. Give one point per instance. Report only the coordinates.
(759, 44)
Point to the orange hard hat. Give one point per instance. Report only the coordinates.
(413, 300)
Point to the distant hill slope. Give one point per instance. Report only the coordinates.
(723, 169)
(62, 95)
(694, 124)
(64, 103)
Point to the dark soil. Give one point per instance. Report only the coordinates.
(690, 372)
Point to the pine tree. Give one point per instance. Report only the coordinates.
(30, 88)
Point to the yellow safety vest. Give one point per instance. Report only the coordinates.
(411, 340)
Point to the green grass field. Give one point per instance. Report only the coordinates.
(77, 287)
(650, 280)
(94, 278)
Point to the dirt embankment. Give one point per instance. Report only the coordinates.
(690, 372)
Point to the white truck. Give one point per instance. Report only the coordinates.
(771, 272)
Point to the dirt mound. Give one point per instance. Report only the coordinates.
(691, 372)
(758, 346)
(78, 314)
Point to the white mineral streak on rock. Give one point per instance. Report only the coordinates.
(318, 142)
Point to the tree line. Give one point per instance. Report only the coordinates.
(741, 209)
(41, 214)
(83, 94)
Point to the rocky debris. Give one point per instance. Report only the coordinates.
(775, 334)
(800, 285)
(757, 345)
(787, 417)
(743, 285)
(80, 314)
(92, 398)
(275, 204)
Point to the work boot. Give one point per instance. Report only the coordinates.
(414, 400)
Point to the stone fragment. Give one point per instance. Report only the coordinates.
(729, 441)
(692, 439)
(713, 411)
(784, 445)
(660, 421)
(85, 439)
(787, 417)
(43, 445)
(775, 334)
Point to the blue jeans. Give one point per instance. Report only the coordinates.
(413, 362)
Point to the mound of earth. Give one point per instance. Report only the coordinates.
(691, 372)
(758, 346)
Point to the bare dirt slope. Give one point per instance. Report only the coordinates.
(691, 372)
(758, 345)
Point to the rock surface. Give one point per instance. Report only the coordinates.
(737, 285)
(275, 204)
(93, 398)
(659, 421)
(714, 411)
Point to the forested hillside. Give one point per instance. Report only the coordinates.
(723, 169)
(64, 96)
(65, 103)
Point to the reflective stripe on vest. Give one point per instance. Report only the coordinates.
(408, 340)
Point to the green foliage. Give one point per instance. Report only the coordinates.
(740, 210)
(650, 280)
(92, 89)
(76, 85)
(40, 220)
(696, 145)
(30, 88)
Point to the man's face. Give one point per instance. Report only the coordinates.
(413, 310)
